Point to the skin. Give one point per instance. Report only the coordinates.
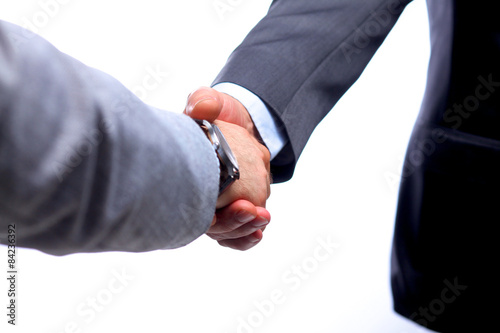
(209, 104)
(239, 225)
(241, 216)
(253, 159)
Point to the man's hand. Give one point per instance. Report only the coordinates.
(241, 218)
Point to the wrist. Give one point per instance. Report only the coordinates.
(245, 118)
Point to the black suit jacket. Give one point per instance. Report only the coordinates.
(303, 56)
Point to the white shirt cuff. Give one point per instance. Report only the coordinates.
(274, 137)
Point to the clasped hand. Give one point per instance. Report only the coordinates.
(241, 216)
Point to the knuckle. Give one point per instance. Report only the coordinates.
(214, 236)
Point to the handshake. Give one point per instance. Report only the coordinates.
(241, 216)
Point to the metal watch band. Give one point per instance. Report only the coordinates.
(229, 170)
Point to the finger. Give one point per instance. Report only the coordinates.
(234, 216)
(245, 230)
(264, 213)
(210, 104)
(243, 243)
(204, 103)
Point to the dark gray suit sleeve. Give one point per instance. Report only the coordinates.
(85, 166)
(303, 56)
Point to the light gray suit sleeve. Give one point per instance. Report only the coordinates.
(85, 166)
(303, 56)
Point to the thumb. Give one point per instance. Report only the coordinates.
(204, 103)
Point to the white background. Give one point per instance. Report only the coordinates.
(344, 189)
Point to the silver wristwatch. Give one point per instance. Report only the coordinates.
(229, 170)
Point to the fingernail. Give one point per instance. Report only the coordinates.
(260, 222)
(190, 107)
(244, 217)
(254, 240)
